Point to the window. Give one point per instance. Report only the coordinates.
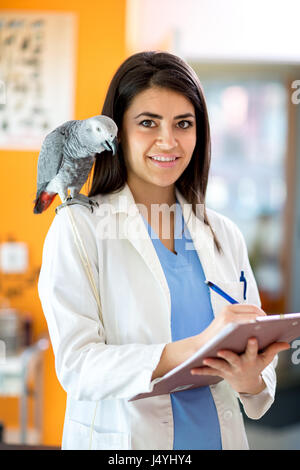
(248, 120)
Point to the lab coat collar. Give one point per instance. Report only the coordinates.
(123, 201)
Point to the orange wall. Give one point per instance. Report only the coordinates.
(100, 49)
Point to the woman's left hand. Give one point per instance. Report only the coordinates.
(242, 372)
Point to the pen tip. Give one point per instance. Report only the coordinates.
(206, 282)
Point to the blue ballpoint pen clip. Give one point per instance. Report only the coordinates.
(219, 291)
(243, 279)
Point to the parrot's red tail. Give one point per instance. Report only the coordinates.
(43, 202)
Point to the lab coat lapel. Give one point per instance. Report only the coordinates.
(201, 236)
(204, 244)
(132, 227)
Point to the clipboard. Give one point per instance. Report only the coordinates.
(267, 329)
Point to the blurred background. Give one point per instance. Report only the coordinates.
(56, 62)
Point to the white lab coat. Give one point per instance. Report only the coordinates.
(101, 366)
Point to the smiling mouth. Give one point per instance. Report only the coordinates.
(164, 162)
(163, 159)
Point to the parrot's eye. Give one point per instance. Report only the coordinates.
(98, 129)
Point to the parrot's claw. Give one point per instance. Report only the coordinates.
(78, 199)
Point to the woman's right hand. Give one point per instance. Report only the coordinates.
(177, 352)
(233, 313)
(243, 372)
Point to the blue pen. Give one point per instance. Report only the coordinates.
(221, 292)
(243, 279)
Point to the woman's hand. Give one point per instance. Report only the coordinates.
(242, 372)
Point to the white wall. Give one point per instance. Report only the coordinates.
(252, 30)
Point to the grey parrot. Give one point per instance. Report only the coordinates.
(66, 158)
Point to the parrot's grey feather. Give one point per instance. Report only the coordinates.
(67, 156)
(51, 155)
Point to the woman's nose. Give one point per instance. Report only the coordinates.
(166, 139)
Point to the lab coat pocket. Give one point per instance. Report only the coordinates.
(243, 436)
(237, 291)
(234, 289)
(78, 436)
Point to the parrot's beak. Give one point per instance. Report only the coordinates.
(114, 145)
(111, 146)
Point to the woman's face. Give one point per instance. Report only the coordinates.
(162, 123)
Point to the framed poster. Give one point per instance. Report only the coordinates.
(37, 71)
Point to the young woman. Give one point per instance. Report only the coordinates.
(149, 266)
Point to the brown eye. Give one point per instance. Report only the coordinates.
(186, 127)
(146, 120)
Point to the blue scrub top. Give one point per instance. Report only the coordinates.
(196, 424)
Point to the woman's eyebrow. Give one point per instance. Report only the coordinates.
(157, 116)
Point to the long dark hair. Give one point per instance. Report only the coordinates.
(136, 74)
